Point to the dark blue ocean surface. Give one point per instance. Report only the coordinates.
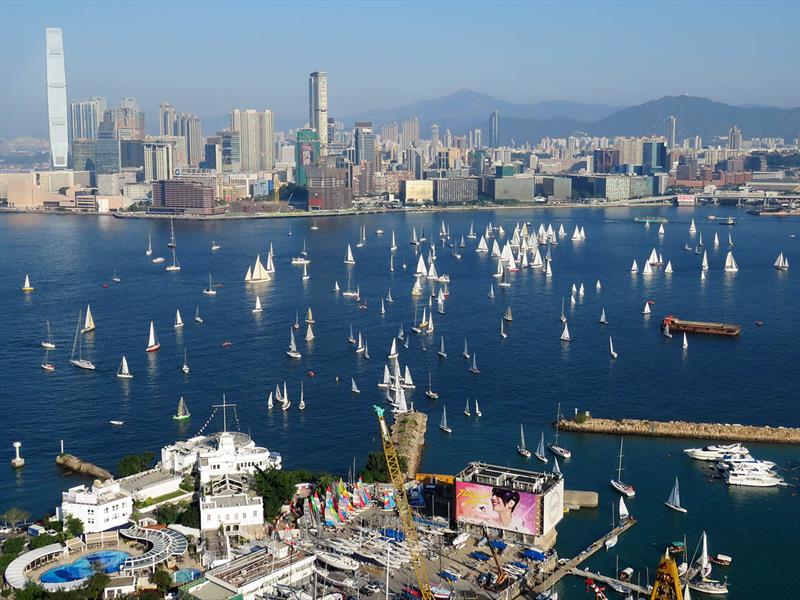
(750, 379)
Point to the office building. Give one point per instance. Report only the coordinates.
(494, 129)
(256, 150)
(131, 154)
(212, 154)
(605, 160)
(434, 135)
(166, 119)
(107, 151)
(128, 119)
(86, 116)
(735, 138)
(409, 134)
(183, 197)
(672, 122)
(327, 189)
(455, 190)
(307, 151)
(158, 161)
(57, 98)
(654, 157)
(189, 131)
(630, 150)
(318, 107)
(478, 139)
(365, 143)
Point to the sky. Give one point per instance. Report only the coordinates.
(210, 57)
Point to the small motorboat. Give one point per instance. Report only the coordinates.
(117, 423)
(227, 344)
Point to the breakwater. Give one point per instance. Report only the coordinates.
(408, 435)
(73, 463)
(685, 429)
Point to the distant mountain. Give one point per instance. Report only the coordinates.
(464, 109)
(699, 116)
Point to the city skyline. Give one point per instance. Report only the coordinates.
(559, 70)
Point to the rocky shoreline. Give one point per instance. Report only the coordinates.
(685, 429)
(73, 463)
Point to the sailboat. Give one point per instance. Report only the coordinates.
(429, 392)
(471, 235)
(646, 309)
(26, 285)
(660, 229)
(705, 260)
(503, 333)
(563, 316)
(478, 412)
(716, 240)
(309, 316)
(554, 447)
(183, 411)
(47, 366)
(393, 247)
(80, 362)
(185, 367)
(491, 291)
(668, 268)
(634, 267)
(540, 450)
(474, 368)
(285, 402)
(215, 246)
(350, 338)
(407, 382)
(612, 541)
(210, 290)
(703, 584)
(685, 341)
(565, 334)
(391, 263)
(508, 316)
(270, 402)
(302, 404)
(443, 423)
(171, 243)
(666, 331)
(730, 263)
(466, 409)
(623, 488)
(306, 276)
(674, 500)
(292, 351)
(309, 333)
(149, 250)
(336, 287)
(197, 317)
(782, 263)
(88, 324)
(174, 266)
(152, 342)
(123, 372)
(48, 343)
(348, 259)
(115, 278)
(611, 350)
(441, 352)
(354, 387)
(389, 298)
(383, 308)
(178, 319)
(314, 225)
(257, 308)
(360, 344)
(465, 354)
(603, 320)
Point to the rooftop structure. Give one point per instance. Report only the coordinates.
(103, 506)
(226, 504)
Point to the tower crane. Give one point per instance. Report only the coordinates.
(412, 537)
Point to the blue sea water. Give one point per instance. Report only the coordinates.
(750, 379)
(107, 561)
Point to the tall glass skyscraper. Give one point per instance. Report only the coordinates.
(318, 106)
(57, 98)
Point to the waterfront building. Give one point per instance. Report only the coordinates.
(227, 505)
(455, 190)
(183, 197)
(494, 129)
(256, 150)
(86, 116)
(416, 191)
(327, 189)
(630, 150)
(538, 503)
(365, 143)
(57, 98)
(654, 157)
(158, 161)
(102, 507)
(107, 150)
(131, 154)
(672, 122)
(318, 107)
(226, 453)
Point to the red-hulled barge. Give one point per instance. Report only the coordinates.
(676, 324)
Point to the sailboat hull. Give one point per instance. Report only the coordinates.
(559, 451)
(674, 507)
(48, 345)
(83, 364)
(124, 375)
(153, 348)
(623, 488)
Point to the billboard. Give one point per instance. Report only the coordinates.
(553, 507)
(501, 508)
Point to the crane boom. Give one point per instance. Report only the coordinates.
(412, 537)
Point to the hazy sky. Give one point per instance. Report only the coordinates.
(209, 57)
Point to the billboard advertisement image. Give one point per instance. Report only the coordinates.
(500, 508)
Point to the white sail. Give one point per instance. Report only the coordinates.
(259, 273)
(348, 259)
(565, 334)
(443, 422)
(646, 309)
(336, 286)
(407, 381)
(668, 268)
(491, 291)
(422, 271)
(705, 260)
(685, 341)
(623, 510)
(779, 261)
(716, 240)
(270, 264)
(675, 495)
(178, 320)
(292, 344)
(478, 412)
(152, 342)
(648, 270)
(692, 228)
(603, 316)
(123, 367)
(521, 437)
(730, 263)
(393, 349)
(354, 387)
(394, 241)
(257, 309)
(482, 247)
(549, 270)
(495, 248)
(432, 274)
(653, 260)
(309, 333)
(634, 267)
(88, 324)
(149, 250)
(597, 286)
(576, 235)
(661, 229)
(611, 348)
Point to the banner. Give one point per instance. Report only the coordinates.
(501, 508)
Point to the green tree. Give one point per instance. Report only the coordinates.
(94, 586)
(169, 513)
(74, 526)
(40, 541)
(134, 463)
(31, 591)
(162, 580)
(275, 488)
(13, 545)
(15, 515)
(191, 516)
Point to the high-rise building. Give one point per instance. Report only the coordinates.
(189, 128)
(735, 138)
(107, 154)
(318, 107)
(307, 151)
(478, 140)
(255, 139)
(672, 123)
(630, 150)
(57, 98)
(85, 116)
(158, 161)
(410, 132)
(166, 119)
(434, 135)
(129, 120)
(654, 157)
(365, 143)
(494, 129)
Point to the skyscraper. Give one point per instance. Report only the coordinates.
(157, 161)
(255, 139)
(735, 138)
(318, 107)
(494, 129)
(57, 98)
(166, 119)
(672, 122)
(365, 143)
(434, 135)
(128, 119)
(85, 117)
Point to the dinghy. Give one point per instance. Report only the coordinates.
(182, 412)
(674, 500)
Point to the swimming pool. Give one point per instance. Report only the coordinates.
(185, 576)
(106, 561)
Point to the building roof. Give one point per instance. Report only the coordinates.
(508, 477)
(140, 481)
(15, 573)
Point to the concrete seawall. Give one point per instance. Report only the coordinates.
(685, 429)
(408, 435)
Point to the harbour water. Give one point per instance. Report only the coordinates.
(751, 379)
